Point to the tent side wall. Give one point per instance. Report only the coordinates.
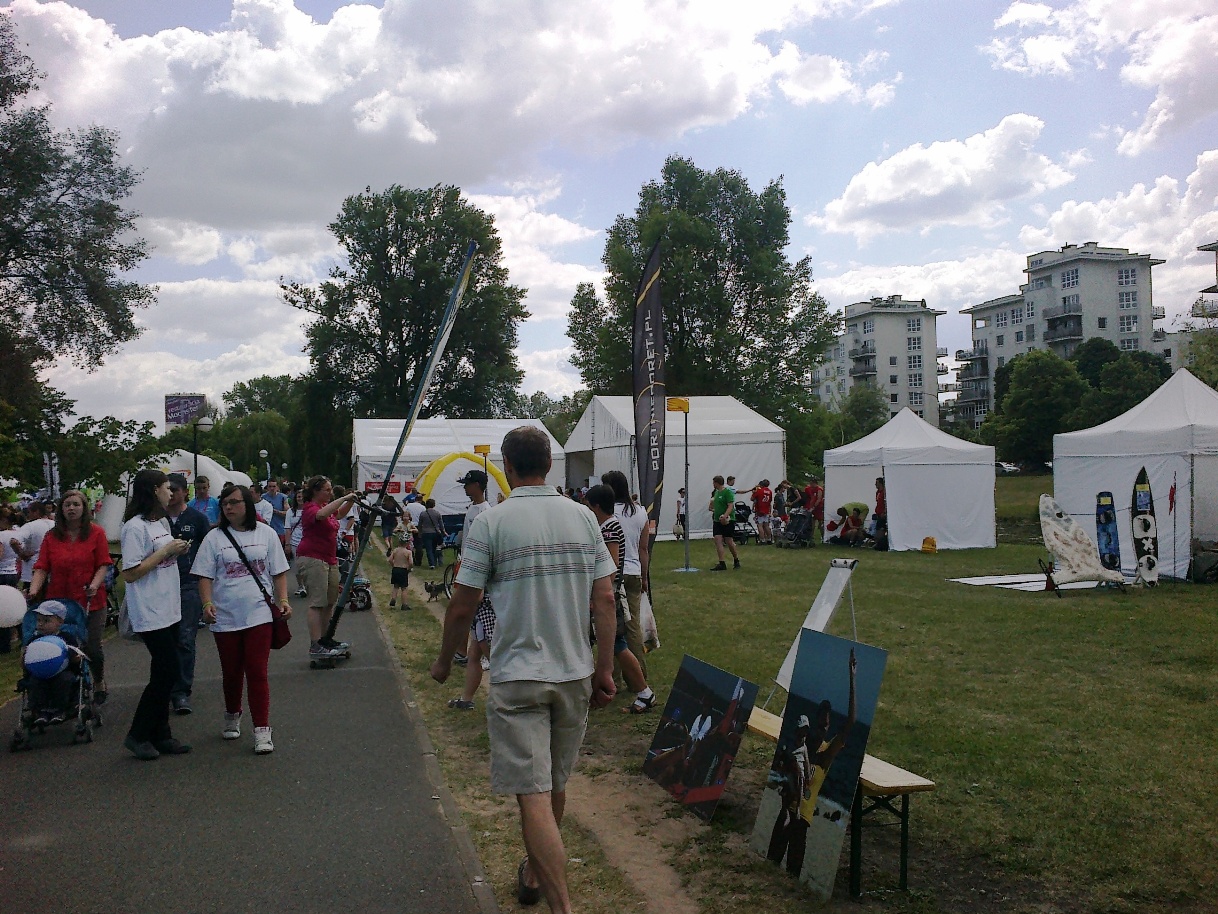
(920, 505)
(1205, 497)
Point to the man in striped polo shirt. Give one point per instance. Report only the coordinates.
(545, 560)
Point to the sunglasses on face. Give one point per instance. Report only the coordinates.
(233, 502)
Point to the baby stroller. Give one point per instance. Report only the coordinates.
(742, 527)
(798, 530)
(79, 708)
(360, 597)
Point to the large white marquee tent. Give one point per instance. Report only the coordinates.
(725, 438)
(373, 442)
(1173, 433)
(937, 485)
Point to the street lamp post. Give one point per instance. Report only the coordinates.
(263, 454)
(204, 423)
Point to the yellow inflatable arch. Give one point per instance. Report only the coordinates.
(431, 473)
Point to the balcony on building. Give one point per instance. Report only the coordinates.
(1060, 311)
(972, 371)
(1068, 331)
(1204, 307)
(1158, 313)
(949, 387)
(940, 368)
(1158, 336)
(979, 393)
(863, 351)
(862, 370)
(977, 353)
(941, 352)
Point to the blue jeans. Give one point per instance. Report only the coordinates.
(430, 542)
(192, 612)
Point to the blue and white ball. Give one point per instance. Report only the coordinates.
(46, 657)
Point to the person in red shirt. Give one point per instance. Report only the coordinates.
(881, 503)
(317, 558)
(72, 565)
(817, 509)
(763, 502)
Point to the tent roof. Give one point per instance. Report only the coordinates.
(905, 438)
(726, 418)
(376, 439)
(1181, 417)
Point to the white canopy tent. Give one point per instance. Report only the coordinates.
(1173, 433)
(937, 485)
(373, 442)
(726, 438)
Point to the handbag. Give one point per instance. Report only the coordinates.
(281, 632)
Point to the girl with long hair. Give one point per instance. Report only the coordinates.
(636, 558)
(317, 559)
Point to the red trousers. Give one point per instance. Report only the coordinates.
(243, 659)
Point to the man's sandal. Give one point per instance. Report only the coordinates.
(641, 705)
(526, 894)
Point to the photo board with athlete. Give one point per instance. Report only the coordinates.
(801, 821)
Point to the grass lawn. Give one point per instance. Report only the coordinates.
(1072, 739)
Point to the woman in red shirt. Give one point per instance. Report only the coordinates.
(317, 558)
(72, 565)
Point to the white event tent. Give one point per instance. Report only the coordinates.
(937, 485)
(1173, 433)
(726, 438)
(373, 442)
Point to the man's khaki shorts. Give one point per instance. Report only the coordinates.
(320, 579)
(536, 729)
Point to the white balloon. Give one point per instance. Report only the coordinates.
(12, 606)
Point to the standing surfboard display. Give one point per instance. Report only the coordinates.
(1145, 531)
(1106, 536)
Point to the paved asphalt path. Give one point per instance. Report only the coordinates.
(347, 814)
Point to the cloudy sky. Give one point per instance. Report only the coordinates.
(926, 147)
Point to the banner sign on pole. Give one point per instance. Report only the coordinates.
(182, 409)
(649, 388)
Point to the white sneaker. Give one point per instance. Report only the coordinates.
(262, 740)
(232, 725)
(486, 664)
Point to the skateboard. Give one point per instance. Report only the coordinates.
(1145, 531)
(328, 663)
(1106, 536)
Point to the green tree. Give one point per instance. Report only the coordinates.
(377, 316)
(864, 410)
(1044, 390)
(1123, 384)
(1203, 355)
(31, 411)
(97, 452)
(266, 392)
(65, 238)
(1091, 356)
(559, 416)
(740, 318)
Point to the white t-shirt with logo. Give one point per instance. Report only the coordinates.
(633, 526)
(265, 510)
(32, 535)
(238, 601)
(155, 600)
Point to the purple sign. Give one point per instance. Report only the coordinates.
(181, 409)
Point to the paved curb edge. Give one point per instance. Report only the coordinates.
(480, 887)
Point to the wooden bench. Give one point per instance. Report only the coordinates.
(880, 784)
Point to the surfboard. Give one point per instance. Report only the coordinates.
(1145, 531)
(1106, 536)
(1075, 557)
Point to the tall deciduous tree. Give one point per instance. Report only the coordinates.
(257, 395)
(740, 318)
(65, 238)
(1123, 384)
(1044, 390)
(376, 317)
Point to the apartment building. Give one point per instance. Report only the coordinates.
(893, 344)
(1070, 295)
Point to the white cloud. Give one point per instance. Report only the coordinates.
(953, 182)
(1166, 47)
(186, 242)
(550, 371)
(818, 78)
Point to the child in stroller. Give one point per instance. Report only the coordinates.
(52, 697)
(742, 527)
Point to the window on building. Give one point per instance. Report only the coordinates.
(919, 414)
(913, 325)
(1129, 345)
(1068, 300)
(841, 370)
(1127, 301)
(1019, 336)
(1127, 276)
(892, 398)
(1070, 278)
(892, 360)
(1030, 333)
(1128, 323)
(982, 409)
(892, 379)
(852, 328)
(1102, 322)
(839, 352)
(913, 343)
(1000, 339)
(1039, 283)
(914, 362)
(915, 398)
(1167, 354)
(1031, 349)
(1029, 310)
(1017, 315)
(1001, 319)
(868, 326)
(1001, 361)
(915, 380)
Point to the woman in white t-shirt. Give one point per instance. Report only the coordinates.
(635, 558)
(235, 606)
(154, 607)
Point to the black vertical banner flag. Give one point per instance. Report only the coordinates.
(650, 390)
